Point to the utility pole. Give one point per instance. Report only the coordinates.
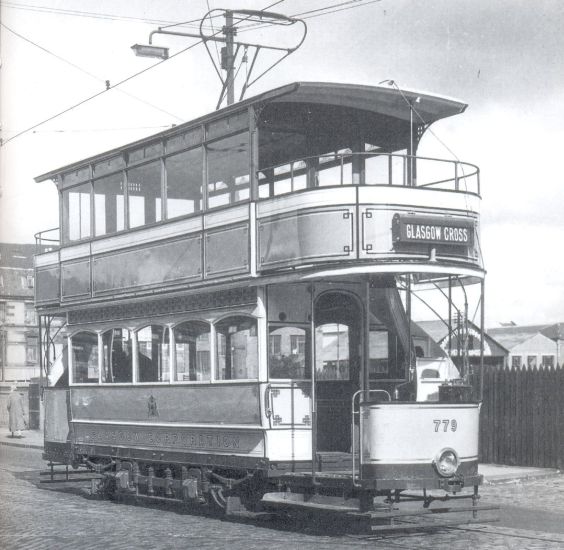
(230, 51)
(227, 58)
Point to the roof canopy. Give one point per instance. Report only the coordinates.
(384, 100)
(387, 103)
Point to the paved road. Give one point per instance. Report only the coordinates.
(34, 516)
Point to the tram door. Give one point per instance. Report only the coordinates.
(338, 329)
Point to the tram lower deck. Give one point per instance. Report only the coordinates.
(299, 386)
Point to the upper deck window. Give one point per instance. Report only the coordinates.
(184, 183)
(228, 170)
(76, 209)
(109, 205)
(144, 194)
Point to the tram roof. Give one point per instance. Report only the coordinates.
(388, 101)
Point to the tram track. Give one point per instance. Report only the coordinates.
(405, 540)
(320, 534)
(504, 531)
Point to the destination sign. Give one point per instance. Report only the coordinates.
(407, 228)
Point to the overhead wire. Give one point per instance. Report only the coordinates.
(94, 15)
(111, 87)
(81, 69)
(343, 6)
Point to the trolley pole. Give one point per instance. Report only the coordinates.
(228, 61)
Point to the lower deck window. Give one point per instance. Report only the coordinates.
(332, 352)
(386, 355)
(118, 356)
(153, 354)
(192, 352)
(288, 356)
(85, 358)
(237, 349)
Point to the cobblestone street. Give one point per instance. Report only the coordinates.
(37, 516)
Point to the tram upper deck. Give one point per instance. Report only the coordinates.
(308, 180)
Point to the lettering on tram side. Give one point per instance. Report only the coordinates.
(407, 228)
(177, 439)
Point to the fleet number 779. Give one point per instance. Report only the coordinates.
(444, 425)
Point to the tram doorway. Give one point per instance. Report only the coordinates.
(338, 333)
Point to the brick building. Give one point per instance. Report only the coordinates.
(19, 360)
(19, 346)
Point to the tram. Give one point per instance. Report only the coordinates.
(235, 295)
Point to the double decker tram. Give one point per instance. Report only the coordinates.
(236, 294)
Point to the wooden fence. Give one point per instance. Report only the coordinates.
(522, 417)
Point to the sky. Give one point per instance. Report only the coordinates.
(504, 58)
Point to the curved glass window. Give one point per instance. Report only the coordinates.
(153, 356)
(192, 349)
(118, 356)
(85, 358)
(288, 355)
(237, 349)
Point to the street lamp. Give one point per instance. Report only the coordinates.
(142, 50)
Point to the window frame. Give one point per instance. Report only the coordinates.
(133, 380)
(206, 171)
(306, 328)
(203, 198)
(65, 213)
(70, 358)
(136, 354)
(215, 364)
(211, 333)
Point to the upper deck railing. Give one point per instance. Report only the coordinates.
(347, 168)
(44, 240)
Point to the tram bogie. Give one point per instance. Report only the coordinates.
(246, 339)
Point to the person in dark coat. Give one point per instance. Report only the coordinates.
(16, 413)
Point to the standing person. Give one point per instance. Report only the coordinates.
(16, 413)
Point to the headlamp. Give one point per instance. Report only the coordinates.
(446, 462)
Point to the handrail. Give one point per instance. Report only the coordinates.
(355, 412)
(42, 239)
(410, 166)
